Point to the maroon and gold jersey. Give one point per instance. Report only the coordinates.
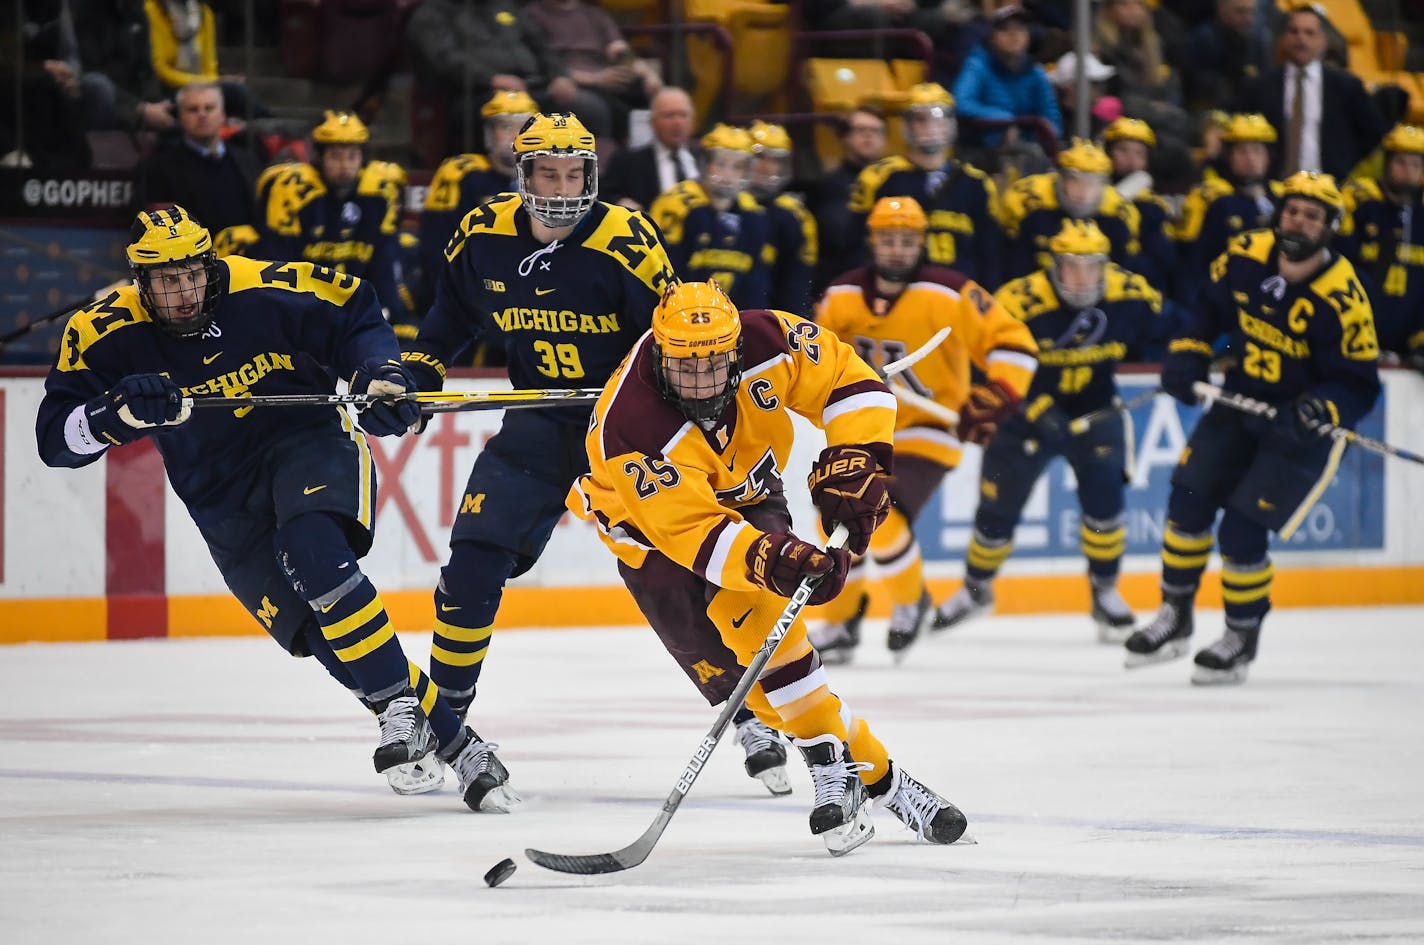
(659, 481)
(982, 333)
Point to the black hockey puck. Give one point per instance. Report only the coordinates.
(500, 872)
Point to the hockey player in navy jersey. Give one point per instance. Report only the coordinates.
(960, 200)
(714, 228)
(793, 229)
(1302, 327)
(1086, 314)
(565, 284)
(343, 211)
(284, 497)
(464, 180)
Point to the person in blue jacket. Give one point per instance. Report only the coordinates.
(1001, 81)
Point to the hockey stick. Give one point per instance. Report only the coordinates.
(919, 401)
(1248, 405)
(1082, 424)
(57, 314)
(637, 851)
(431, 401)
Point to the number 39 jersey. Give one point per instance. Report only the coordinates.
(565, 312)
(1287, 339)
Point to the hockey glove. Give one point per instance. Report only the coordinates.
(378, 378)
(1298, 423)
(133, 407)
(848, 486)
(1188, 361)
(989, 405)
(778, 562)
(1050, 423)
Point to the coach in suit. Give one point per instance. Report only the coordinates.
(636, 177)
(199, 171)
(1299, 96)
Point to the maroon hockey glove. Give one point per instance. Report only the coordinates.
(989, 405)
(778, 561)
(848, 486)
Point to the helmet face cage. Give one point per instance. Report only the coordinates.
(700, 386)
(929, 129)
(726, 172)
(558, 211)
(159, 297)
(1080, 193)
(771, 172)
(1081, 296)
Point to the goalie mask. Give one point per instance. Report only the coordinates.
(542, 150)
(176, 270)
(1080, 258)
(1298, 238)
(697, 338)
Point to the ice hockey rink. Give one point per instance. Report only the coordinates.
(215, 791)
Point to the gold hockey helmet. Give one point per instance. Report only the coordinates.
(560, 135)
(697, 336)
(341, 128)
(163, 242)
(1130, 129)
(897, 213)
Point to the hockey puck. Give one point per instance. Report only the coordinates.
(500, 872)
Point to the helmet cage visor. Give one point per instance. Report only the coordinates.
(558, 211)
(702, 386)
(168, 287)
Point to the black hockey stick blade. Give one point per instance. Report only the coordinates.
(589, 864)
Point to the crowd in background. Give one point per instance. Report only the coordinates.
(1197, 108)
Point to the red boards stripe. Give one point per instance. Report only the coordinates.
(134, 542)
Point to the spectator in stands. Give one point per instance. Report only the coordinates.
(637, 176)
(863, 142)
(113, 40)
(1104, 108)
(183, 40)
(1299, 96)
(1001, 82)
(935, 18)
(469, 49)
(1125, 39)
(598, 58)
(199, 171)
(1224, 54)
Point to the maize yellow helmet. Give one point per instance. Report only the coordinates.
(1321, 189)
(341, 128)
(697, 340)
(726, 161)
(1407, 139)
(1130, 129)
(929, 118)
(1244, 127)
(556, 135)
(1085, 157)
(509, 102)
(1080, 254)
(168, 250)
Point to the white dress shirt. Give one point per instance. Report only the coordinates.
(667, 177)
(1314, 87)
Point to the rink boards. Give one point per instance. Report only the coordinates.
(109, 552)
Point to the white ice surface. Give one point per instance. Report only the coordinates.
(218, 792)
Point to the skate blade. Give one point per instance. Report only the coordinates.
(966, 839)
(847, 837)
(418, 777)
(1235, 676)
(836, 656)
(1172, 649)
(939, 623)
(776, 780)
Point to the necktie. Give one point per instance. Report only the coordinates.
(1296, 126)
(678, 175)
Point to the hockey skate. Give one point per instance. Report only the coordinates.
(1111, 613)
(405, 732)
(418, 777)
(971, 600)
(840, 813)
(931, 817)
(836, 640)
(484, 780)
(1226, 661)
(908, 622)
(766, 755)
(1165, 638)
